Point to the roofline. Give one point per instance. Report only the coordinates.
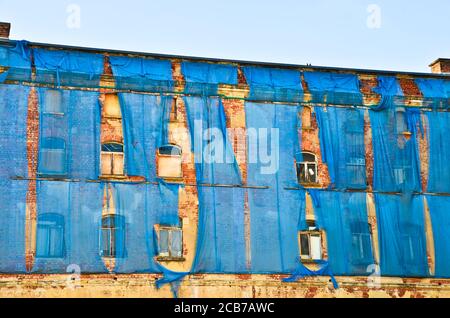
(439, 60)
(241, 62)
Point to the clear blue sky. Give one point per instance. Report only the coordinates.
(321, 32)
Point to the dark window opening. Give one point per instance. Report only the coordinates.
(307, 170)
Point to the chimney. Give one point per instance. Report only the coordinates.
(4, 30)
(440, 66)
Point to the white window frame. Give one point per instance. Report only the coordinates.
(305, 164)
(170, 255)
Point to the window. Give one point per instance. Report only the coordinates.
(361, 243)
(174, 110)
(400, 120)
(411, 243)
(306, 117)
(311, 243)
(170, 242)
(50, 236)
(53, 103)
(169, 162)
(355, 149)
(113, 236)
(112, 160)
(307, 170)
(52, 158)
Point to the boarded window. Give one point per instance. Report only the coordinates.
(50, 236)
(170, 242)
(52, 157)
(170, 162)
(112, 161)
(113, 236)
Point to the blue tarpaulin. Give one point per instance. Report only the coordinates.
(204, 78)
(271, 84)
(434, 92)
(142, 73)
(401, 235)
(341, 135)
(339, 88)
(390, 90)
(18, 59)
(68, 68)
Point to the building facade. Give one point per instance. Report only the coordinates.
(123, 172)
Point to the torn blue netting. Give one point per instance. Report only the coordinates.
(343, 217)
(434, 92)
(440, 219)
(221, 241)
(145, 120)
(274, 212)
(68, 68)
(341, 135)
(18, 60)
(69, 138)
(142, 207)
(401, 235)
(68, 227)
(336, 88)
(390, 90)
(396, 156)
(302, 271)
(271, 84)
(13, 162)
(439, 150)
(142, 73)
(204, 78)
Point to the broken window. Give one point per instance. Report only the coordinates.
(52, 157)
(112, 159)
(307, 170)
(169, 162)
(53, 102)
(50, 236)
(361, 243)
(113, 236)
(311, 243)
(170, 242)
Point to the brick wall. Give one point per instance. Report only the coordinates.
(4, 30)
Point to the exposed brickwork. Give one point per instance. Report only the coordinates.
(5, 30)
(441, 66)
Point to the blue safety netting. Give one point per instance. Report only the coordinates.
(401, 235)
(68, 227)
(69, 138)
(396, 158)
(204, 78)
(302, 271)
(334, 88)
(142, 207)
(142, 74)
(390, 90)
(440, 219)
(343, 217)
(145, 120)
(434, 92)
(221, 241)
(439, 150)
(274, 212)
(13, 162)
(17, 58)
(68, 68)
(271, 84)
(341, 135)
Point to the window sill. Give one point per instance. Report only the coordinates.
(311, 185)
(170, 259)
(308, 128)
(112, 177)
(172, 179)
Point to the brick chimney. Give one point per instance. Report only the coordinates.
(441, 66)
(4, 30)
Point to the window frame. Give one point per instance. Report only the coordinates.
(113, 155)
(312, 231)
(44, 147)
(178, 156)
(169, 255)
(305, 165)
(112, 231)
(59, 223)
